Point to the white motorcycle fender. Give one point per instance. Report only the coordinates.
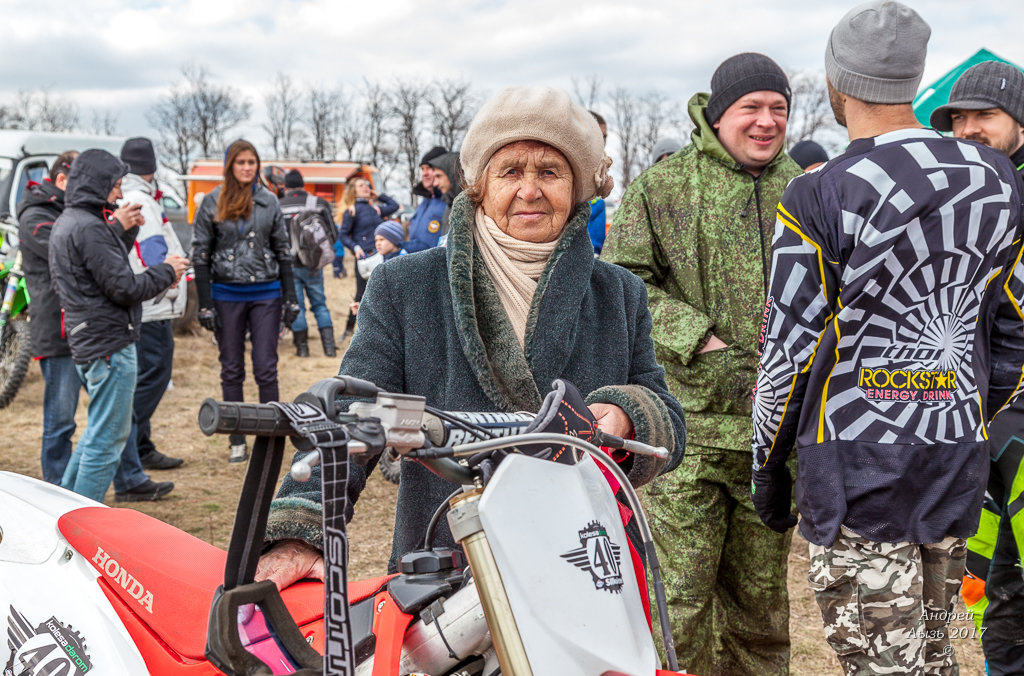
(57, 619)
(557, 537)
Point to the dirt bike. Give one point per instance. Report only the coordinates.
(15, 342)
(541, 585)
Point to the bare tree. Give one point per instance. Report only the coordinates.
(628, 130)
(376, 110)
(37, 110)
(652, 124)
(351, 125)
(9, 118)
(587, 90)
(323, 122)
(216, 109)
(283, 116)
(172, 116)
(451, 108)
(104, 123)
(195, 116)
(406, 100)
(810, 112)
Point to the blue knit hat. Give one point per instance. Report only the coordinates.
(391, 231)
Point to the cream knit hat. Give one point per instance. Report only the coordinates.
(540, 114)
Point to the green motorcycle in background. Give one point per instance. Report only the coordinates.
(15, 342)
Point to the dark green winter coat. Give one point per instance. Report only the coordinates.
(431, 324)
(697, 228)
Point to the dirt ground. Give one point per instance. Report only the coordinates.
(206, 486)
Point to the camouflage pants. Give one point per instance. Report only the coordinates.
(724, 571)
(886, 606)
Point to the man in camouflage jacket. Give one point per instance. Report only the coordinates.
(697, 229)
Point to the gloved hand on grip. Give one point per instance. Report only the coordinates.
(290, 312)
(208, 318)
(771, 491)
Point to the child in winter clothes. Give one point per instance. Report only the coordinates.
(387, 238)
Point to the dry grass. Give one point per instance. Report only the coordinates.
(206, 490)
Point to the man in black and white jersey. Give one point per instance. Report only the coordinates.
(986, 104)
(892, 333)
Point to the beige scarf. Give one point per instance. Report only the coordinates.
(515, 267)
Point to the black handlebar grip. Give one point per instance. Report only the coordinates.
(357, 387)
(235, 417)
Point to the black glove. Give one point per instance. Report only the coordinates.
(563, 411)
(208, 318)
(290, 312)
(771, 490)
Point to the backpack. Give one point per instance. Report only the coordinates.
(311, 244)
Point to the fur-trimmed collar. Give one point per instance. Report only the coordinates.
(511, 377)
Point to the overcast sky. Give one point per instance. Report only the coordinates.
(123, 56)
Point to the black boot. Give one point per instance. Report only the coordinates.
(301, 339)
(327, 338)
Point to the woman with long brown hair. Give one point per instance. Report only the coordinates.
(362, 210)
(242, 258)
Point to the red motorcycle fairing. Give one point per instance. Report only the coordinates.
(161, 580)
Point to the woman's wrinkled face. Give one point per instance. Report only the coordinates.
(244, 167)
(528, 191)
(363, 189)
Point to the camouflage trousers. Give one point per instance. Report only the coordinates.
(886, 606)
(724, 571)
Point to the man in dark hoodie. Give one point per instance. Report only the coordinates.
(39, 208)
(448, 182)
(102, 310)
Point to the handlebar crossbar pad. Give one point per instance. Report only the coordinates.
(233, 417)
(224, 646)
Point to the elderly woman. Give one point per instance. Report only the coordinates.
(513, 302)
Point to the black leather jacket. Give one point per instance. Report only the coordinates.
(240, 251)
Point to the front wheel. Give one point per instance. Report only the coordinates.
(15, 355)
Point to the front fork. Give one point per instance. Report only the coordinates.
(464, 520)
(14, 277)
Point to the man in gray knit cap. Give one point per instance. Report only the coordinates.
(986, 105)
(892, 333)
(697, 227)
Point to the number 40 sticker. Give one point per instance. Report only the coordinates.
(50, 649)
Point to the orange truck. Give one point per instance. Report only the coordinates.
(323, 179)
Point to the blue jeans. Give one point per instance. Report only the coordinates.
(110, 382)
(60, 401)
(312, 282)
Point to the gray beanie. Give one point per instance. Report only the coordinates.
(665, 146)
(740, 75)
(876, 52)
(540, 114)
(990, 84)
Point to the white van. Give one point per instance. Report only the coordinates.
(27, 155)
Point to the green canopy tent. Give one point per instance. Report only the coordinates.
(937, 93)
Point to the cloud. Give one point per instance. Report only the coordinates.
(103, 52)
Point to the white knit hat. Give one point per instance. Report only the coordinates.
(540, 114)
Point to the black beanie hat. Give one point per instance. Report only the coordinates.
(138, 154)
(739, 75)
(434, 152)
(293, 179)
(806, 152)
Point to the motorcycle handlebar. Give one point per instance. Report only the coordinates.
(234, 417)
